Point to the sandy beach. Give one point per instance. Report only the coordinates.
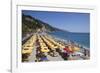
(43, 47)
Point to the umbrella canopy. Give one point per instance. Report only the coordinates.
(45, 49)
(76, 48)
(26, 50)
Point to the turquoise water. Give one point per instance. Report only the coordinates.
(80, 38)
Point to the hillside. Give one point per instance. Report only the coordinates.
(31, 25)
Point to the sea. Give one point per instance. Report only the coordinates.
(80, 38)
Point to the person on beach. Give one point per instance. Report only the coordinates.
(67, 49)
(65, 55)
(62, 53)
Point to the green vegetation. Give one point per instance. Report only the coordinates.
(31, 25)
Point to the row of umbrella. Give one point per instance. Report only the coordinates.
(59, 45)
(43, 46)
(28, 46)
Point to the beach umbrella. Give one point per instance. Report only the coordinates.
(44, 49)
(76, 49)
(69, 49)
(28, 45)
(27, 50)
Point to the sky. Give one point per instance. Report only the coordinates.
(69, 21)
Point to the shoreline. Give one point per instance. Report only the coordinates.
(66, 41)
(68, 36)
(47, 39)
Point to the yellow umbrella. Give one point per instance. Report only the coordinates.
(24, 51)
(76, 48)
(27, 48)
(44, 49)
(28, 45)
